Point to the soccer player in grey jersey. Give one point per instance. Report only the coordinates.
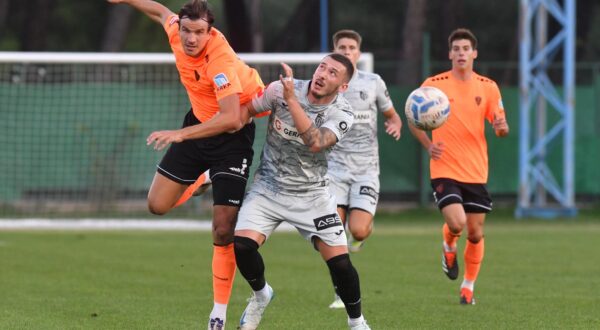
(290, 184)
(354, 162)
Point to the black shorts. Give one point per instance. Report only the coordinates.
(228, 156)
(474, 197)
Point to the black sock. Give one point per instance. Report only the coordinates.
(346, 283)
(249, 262)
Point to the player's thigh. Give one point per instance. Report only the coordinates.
(476, 198)
(163, 193)
(316, 217)
(260, 213)
(449, 198)
(364, 194)
(229, 177)
(340, 188)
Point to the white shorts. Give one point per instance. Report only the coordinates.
(313, 216)
(360, 192)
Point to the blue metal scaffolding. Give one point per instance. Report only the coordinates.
(537, 179)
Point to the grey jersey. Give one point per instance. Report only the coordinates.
(286, 164)
(368, 95)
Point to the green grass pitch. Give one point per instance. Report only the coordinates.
(536, 274)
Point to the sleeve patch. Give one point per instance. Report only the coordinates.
(221, 81)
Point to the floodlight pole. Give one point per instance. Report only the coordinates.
(535, 175)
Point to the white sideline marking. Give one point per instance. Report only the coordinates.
(113, 224)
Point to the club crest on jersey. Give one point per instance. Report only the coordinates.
(319, 120)
(478, 100)
(221, 81)
(196, 75)
(327, 221)
(368, 191)
(363, 95)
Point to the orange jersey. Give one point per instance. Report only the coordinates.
(216, 73)
(465, 157)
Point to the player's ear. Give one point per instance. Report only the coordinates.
(475, 54)
(343, 87)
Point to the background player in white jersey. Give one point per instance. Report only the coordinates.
(290, 184)
(354, 161)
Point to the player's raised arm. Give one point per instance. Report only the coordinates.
(156, 11)
(316, 139)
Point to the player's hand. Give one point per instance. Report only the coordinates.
(288, 82)
(436, 150)
(500, 126)
(161, 139)
(393, 126)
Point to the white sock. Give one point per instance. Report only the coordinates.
(468, 284)
(356, 321)
(448, 248)
(219, 310)
(264, 293)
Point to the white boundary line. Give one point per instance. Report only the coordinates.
(113, 224)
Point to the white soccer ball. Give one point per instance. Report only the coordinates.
(427, 108)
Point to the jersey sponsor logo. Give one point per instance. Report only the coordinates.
(221, 81)
(327, 221)
(362, 117)
(478, 100)
(288, 132)
(368, 191)
(500, 104)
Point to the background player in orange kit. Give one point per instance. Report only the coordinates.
(459, 161)
(214, 134)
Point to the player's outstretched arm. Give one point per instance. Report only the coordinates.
(393, 123)
(435, 150)
(156, 11)
(316, 139)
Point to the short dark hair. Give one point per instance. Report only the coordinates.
(350, 34)
(460, 34)
(346, 62)
(197, 9)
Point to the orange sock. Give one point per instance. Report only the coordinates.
(223, 268)
(473, 257)
(449, 237)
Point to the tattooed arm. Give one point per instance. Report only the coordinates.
(316, 139)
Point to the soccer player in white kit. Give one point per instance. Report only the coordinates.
(354, 161)
(290, 184)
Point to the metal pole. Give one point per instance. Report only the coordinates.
(424, 155)
(324, 9)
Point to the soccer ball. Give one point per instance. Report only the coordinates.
(427, 108)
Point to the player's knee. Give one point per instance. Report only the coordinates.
(475, 237)
(244, 246)
(361, 233)
(223, 233)
(157, 208)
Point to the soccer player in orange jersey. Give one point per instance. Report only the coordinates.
(214, 136)
(459, 161)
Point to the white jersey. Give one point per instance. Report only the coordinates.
(286, 164)
(368, 95)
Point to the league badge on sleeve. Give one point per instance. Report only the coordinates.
(221, 81)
